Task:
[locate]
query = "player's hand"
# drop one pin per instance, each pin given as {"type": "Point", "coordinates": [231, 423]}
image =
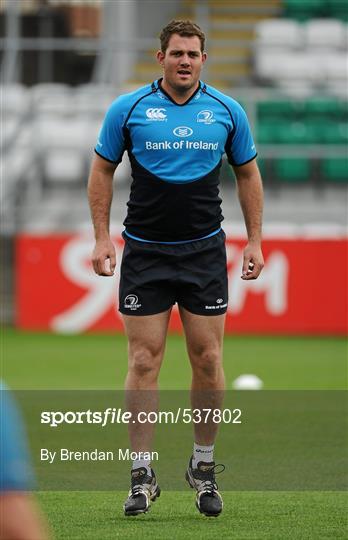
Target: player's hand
{"type": "Point", "coordinates": [104, 258]}
{"type": "Point", "coordinates": [252, 261]}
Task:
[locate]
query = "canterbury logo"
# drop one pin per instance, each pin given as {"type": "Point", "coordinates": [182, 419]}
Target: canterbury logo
{"type": "Point", "coordinates": [156, 114]}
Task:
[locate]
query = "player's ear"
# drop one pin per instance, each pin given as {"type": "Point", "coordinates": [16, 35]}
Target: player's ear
{"type": "Point", "coordinates": [160, 57]}
{"type": "Point", "coordinates": [204, 57]}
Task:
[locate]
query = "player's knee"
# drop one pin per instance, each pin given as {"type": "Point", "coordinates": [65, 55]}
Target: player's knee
{"type": "Point", "coordinates": [143, 362]}
{"type": "Point", "coordinates": [208, 364]}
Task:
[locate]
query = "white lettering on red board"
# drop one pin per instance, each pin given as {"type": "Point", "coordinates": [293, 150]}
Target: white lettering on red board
{"type": "Point", "coordinates": [272, 282]}
{"type": "Point", "coordinates": [101, 291]}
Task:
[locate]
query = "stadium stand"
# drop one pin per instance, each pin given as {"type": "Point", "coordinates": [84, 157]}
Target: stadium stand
{"type": "Point", "coordinates": [315, 52]}
{"type": "Point", "coordinates": [286, 61]}
{"type": "Point", "coordinates": [304, 58]}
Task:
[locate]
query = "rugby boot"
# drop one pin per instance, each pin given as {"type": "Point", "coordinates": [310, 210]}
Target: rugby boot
{"type": "Point", "coordinates": [202, 479]}
{"type": "Point", "coordinates": [144, 489]}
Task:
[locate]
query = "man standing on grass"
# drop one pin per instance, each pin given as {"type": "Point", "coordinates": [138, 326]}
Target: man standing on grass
{"type": "Point", "coordinates": [175, 131]}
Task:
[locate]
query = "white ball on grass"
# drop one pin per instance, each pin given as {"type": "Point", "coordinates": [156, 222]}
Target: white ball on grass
{"type": "Point", "coordinates": [247, 381]}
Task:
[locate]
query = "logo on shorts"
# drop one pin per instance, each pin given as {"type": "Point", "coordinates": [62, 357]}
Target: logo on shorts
{"type": "Point", "coordinates": [156, 115]}
{"type": "Point", "coordinates": [131, 302]}
{"type": "Point", "coordinates": [206, 117]}
{"type": "Point", "coordinates": [220, 304]}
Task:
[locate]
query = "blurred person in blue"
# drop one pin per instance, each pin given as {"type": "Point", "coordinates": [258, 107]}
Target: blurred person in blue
{"type": "Point", "coordinates": [176, 131]}
{"type": "Point", "coordinates": [20, 518]}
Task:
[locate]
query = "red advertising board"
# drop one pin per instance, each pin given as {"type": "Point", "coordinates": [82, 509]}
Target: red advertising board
{"type": "Point", "coordinates": [302, 289]}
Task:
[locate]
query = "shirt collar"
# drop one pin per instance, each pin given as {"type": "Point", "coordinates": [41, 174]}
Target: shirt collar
{"type": "Point", "coordinates": [157, 87]}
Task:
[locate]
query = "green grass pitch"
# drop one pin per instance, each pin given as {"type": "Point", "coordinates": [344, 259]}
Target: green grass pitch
{"type": "Point", "coordinates": [44, 361]}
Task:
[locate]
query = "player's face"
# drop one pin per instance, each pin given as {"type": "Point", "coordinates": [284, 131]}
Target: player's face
{"type": "Point", "coordinates": [182, 62]}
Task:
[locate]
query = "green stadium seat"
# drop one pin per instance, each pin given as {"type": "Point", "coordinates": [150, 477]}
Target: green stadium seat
{"type": "Point", "coordinates": [267, 132]}
{"type": "Point", "coordinates": [292, 170]}
{"type": "Point", "coordinates": [338, 9]}
{"type": "Point", "coordinates": [279, 108]}
{"type": "Point", "coordinates": [296, 133]}
{"type": "Point", "coordinates": [323, 107]}
{"type": "Point", "coordinates": [344, 109]}
{"type": "Point", "coordinates": [335, 169]}
{"type": "Point", "coordinates": [280, 132]}
{"type": "Point", "coordinates": [336, 133]}
{"type": "Point", "coordinates": [305, 9]}
{"type": "Point", "coordinates": [312, 131]}
{"type": "Point", "coordinates": [318, 130]}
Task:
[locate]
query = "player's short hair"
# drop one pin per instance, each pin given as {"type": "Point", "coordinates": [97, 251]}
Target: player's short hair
{"type": "Point", "coordinates": [184, 29]}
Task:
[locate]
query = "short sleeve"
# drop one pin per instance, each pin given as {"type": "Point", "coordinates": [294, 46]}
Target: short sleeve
{"type": "Point", "coordinates": [240, 147]}
{"type": "Point", "coordinates": [111, 144]}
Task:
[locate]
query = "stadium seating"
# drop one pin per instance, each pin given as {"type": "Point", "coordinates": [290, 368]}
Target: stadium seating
{"type": "Point", "coordinates": [65, 121]}
{"type": "Point", "coordinates": [14, 99]}
{"type": "Point", "coordinates": [94, 99]}
{"type": "Point", "coordinates": [59, 145]}
{"type": "Point", "coordinates": [282, 132]}
{"type": "Point", "coordinates": [316, 120]}
{"type": "Point", "coordinates": [267, 132]}
{"type": "Point", "coordinates": [303, 10]}
{"type": "Point", "coordinates": [279, 33]}
{"type": "Point", "coordinates": [336, 133]}
{"type": "Point", "coordinates": [335, 169]}
{"type": "Point", "coordinates": [285, 108]}
{"type": "Point", "coordinates": [325, 33]}
{"type": "Point", "coordinates": [324, 107]}
{"type": "Point", "coordinates": [338, 9]}
{"type": "Point", "coordinates": [314, 52]}
{"type": "Point", "coordinates": [295, 94]}
{"type": "Point", "coordinates": [318, 68]}
{"type": "Point", "coordinates": [297, 133]}
{"type": "Point", "coordinates": [293, 169]}
{"type": "Point", "coordinates": [337, 67]}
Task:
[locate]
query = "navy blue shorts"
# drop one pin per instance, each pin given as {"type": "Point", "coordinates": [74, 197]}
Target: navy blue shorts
{"type": "Point", "coordinates": [155, 276]}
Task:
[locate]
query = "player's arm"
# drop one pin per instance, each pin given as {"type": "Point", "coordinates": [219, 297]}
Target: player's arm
{"type": "Point", "coordinates": [21, 519]}
{"type": "Point", "coordinates": [100, 190]}
{"type": "Point", "coordinates": [250, 194]}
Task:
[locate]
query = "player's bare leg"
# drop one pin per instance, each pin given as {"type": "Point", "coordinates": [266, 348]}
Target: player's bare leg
{"type": "Point", "coordinates": [146, 344]}
{"type": "Point", "coordinates": [204, 340]}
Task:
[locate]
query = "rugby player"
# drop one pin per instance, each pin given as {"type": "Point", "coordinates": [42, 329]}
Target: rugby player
{"type": "Point", "coordinates": [175, 131]}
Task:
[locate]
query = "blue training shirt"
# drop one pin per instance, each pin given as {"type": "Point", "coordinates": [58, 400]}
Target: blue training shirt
{"type": "Point", "coordinates": [175, 151]}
